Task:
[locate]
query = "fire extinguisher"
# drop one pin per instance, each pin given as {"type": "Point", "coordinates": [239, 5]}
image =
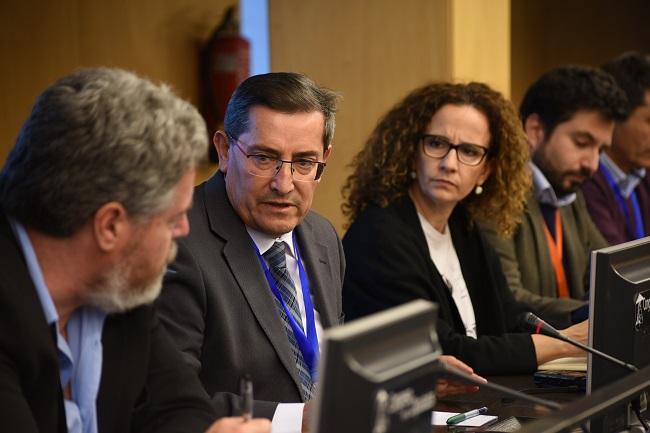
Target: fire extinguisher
{"type": "Point", "coordinates": [224, 65]}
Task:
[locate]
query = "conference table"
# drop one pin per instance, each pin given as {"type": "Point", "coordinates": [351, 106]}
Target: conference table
{"type": "Point", "coordinates": [504, 406]}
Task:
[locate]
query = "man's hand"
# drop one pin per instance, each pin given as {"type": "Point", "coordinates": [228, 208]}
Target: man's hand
{"type": "Point", "coordinates": [446, 387]}
{"type": "Point", "coordinates": [237, 425]}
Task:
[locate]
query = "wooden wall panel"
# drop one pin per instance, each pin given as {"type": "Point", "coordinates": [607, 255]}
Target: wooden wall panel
{"type": "Point", "coordinates": [481, 42]}
{"type": "Point", "coordinates": [41, 41]}
{"type": "Point", "coordinates": [549, 33]}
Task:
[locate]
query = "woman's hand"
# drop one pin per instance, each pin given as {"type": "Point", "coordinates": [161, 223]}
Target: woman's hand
{"type": "Point", "coordinates": [237, 425]}
{"type": "Point", "coordinates": [446, 387]}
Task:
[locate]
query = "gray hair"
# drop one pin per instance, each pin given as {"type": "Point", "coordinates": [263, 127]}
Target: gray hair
{"type": "Point", "coordinates": [96, 136]}
{"type": "Point", "coordinates": [286, 92]}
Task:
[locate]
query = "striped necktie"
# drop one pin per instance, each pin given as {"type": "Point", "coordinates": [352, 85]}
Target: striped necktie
{"type": "Point", "coordinates": [275, 257]}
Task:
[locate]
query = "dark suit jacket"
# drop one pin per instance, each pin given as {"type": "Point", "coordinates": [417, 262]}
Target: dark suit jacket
{"type": "Point", "coordinates": [145, 386]}
{"type": "Point", "coordinates": [389, 264]}
{"type": "Point", "coordinates": [218, 307]}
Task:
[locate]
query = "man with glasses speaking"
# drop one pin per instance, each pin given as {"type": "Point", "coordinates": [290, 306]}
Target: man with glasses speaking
{"type": "Point", "coordinates": [260, 275]}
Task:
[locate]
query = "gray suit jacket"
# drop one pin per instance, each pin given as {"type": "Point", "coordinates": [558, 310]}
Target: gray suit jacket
{"type": "Point", "coordinates": [217, 305]}
{"type": "Point", "coordinates": [527, 263]}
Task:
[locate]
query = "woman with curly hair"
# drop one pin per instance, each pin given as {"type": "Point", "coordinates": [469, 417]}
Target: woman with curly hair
{"type": "Point", "coordinates": [438, 161]}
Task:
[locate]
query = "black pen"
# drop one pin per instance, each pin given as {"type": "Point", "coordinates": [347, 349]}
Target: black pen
{"type": "Point", "coordinates": [246, 396]}
{"type": "Point", "coordinates": [467, 415]}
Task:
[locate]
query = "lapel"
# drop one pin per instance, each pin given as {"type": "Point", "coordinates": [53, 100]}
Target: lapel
{"type": "Point", "coordinates": [317, 263]}
{"type": "Point", "coordinates": [439, 291]}
{"type": "Point", "coordinates": [240, 257]}
{"type": "Point", "coordinates": [577, 258]}
{"type": "Point", "coordinates": [478, 277]}
{"type": "Point", "coordinates": [542, 258]}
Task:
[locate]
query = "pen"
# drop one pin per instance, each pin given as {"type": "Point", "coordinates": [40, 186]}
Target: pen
{"type": "Point", "coordinates": [467, 415]}
{"type": "Point", "coordinates": [246, 395]}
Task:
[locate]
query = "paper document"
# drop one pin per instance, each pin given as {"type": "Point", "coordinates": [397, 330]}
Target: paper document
{"type": "Point", "coordinates": [572, 364]}
{"type": "Point", "coordinates": [440, 418]}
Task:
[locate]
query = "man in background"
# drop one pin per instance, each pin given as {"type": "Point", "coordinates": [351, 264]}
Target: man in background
{"type": "Point", "coordinates": [618, 196]}
{"type": "Point", "coordinates": [568, 115]}
{"type": "Point", "coordinates": [92, 198]}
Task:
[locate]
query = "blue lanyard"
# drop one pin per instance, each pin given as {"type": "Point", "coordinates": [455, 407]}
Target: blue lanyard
{"type": "Point", "coordinates": [639, 232]}
{"type": "Point", "coordinates": [308, 344]}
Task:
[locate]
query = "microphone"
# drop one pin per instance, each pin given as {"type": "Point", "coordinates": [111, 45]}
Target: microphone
{"type": "Point", "coordinates": [541, 327]}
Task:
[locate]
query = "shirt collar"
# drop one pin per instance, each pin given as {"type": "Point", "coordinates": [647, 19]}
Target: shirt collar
{"type": "Point", "coordinates": [264, 241]}
{"type": "Point", "coordinates": [626, 182]}
{"type": "Point", "coordinates": [35, 272]}
{"type": "Point", "coordinates": [544, 192]}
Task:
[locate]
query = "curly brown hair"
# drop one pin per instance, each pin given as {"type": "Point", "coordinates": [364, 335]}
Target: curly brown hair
{"type": "Point", "coordinates": [381, 169]}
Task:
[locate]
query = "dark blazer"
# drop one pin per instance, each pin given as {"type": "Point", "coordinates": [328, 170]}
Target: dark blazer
{"type": "Point", "coordinates": [218, 307]}
{"type": "Point", "coordinates": [606, 211]}
{"type": "Point", "coordinates": [145, 386]}
{"type": "Point", "coordinates": [389, 264]}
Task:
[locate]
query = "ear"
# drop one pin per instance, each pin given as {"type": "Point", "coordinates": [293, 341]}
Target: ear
{"type": "Point", "coordinates": [534, 130]}
{"type": "Point", "coordinates": [111, 226]}
{"type": "Point", "coordinates": [485, 173]}
{"type": "Point", "coordinates": [221, 143]}
{"type": "Point", "coordinates": [327, 153]}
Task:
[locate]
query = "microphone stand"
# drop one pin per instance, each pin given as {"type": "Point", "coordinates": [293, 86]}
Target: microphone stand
{"type": "Point", "coordinates": [450, 371]}
{"type": "Point", "coordinates": [596, 352]}
{"type": "Point", "coordinates": [541, 327]}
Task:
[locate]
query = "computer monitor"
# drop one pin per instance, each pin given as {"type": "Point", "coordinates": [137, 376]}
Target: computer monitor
{"type": "Point", "coordinates": [376, 374]}
{"type": "Point", "coordinates": [619, 322]}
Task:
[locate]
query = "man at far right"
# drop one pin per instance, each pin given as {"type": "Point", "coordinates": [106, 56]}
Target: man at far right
{"type": "Point", "coordinates": [618, 196]}
{"type": "Point", "coordinates": [568, 116]}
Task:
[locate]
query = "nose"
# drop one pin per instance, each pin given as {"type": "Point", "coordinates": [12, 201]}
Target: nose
{"type": "Point", "coordinates": [182, 228]}
{"type": "Point", "coordinates": [450, 161]}
{"type": "Point", "coordinates": [590, 161]}
{"type": "Point", "coordinates": [283, 180]}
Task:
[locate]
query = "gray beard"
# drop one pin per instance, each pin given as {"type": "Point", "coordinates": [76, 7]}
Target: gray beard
{"type": "Point", "coordinates": [116, 296]}
{"type": "Point", "coordinates": [112, 293]}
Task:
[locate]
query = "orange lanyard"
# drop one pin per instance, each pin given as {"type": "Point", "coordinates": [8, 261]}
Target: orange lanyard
{"type": "Point", "coordinates": [555, 250]}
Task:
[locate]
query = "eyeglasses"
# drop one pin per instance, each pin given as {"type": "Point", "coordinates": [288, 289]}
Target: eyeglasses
{"type": "Point", "coordinates": [436, 146]}
{"type": "Point", "coordinates": [262, 165]}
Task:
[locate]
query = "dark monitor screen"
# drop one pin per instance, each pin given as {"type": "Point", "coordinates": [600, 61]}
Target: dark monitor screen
{"type": "Point", "coordinates": [619, 319]}
{"type": "Point", "coordinates": [376, 374]}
